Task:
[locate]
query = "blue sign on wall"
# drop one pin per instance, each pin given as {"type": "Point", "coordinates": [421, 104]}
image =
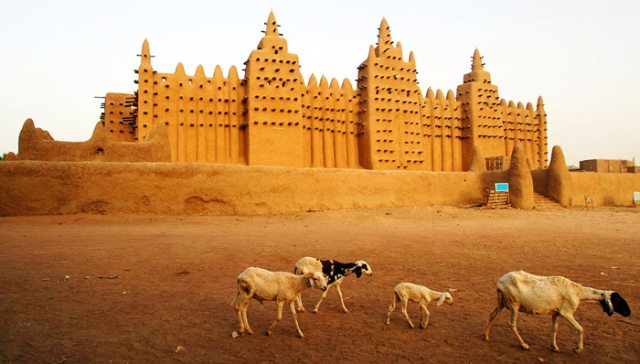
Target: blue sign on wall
{"type": "Point", "coordinates": [502, 187]}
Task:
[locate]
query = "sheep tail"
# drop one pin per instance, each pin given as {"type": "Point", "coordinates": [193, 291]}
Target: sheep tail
{"type": "Point", "coordinates": [501, 299]}
{"type": "Point", "coordinates": [243, 286]}
{"type": "Point", "coordinates": [396, 298]}
{"type": "Point", "coordinates": [234, 298]}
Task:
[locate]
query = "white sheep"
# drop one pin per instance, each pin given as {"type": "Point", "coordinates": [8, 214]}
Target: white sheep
{"type": "Point", "coordinates": [264, 285]}
{"type": "Point", "coordinates": [556, 296]}
{"type": "Point", "coordinates": [405, 292]}
{"type": "Point", "coordinates": [333, 271]}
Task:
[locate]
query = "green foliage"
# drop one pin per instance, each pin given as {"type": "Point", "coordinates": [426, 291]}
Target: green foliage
{"type": "Point", "coordinates": [4, 156]}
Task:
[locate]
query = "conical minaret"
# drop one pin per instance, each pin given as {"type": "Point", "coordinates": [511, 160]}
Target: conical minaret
{"type": "Point", "coordinates": [384, 37]}
{"type": "Point", "coordinates": [477, 74]}
{"type": "Point", "coordinates": [272, 26]}
{"type": "Point", "coordinates": [477, 61]}
{"type": "Point", "coordinates": [272, 39]}
{"type": "Point", "coordinates": [273, 85]}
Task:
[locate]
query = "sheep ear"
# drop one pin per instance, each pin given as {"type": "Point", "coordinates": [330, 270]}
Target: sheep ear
{"type": "Point", "coordinates": [358, 271]}
{"type": "Point", "coordinates": [441, 299]}
{"type": "Point", "coordinates": [311, 283]}
{"type": "Point", "coordinates": [620, 305]}
{"type": "Point", "coordinates": [607, 307]}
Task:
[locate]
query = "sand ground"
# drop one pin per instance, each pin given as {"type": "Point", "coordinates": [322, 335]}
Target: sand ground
{"type": "Point", "coordinates": [157, 289]}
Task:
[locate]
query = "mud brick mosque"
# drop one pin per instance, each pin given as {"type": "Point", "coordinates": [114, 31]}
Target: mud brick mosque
{"type": "Point", "coordinates": [270, 143]}
{"type": "Point", "coordinates": [271, 117]}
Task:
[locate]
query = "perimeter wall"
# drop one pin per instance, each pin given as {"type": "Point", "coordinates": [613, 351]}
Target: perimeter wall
{"type": "Point", "coordinates": [49, 188]}
{"type": "Point", "coordinates": [605, 189]}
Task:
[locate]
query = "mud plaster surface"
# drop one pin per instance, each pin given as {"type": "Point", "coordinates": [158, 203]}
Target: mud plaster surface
{"type": "Point", "coordinates": [176, 277]}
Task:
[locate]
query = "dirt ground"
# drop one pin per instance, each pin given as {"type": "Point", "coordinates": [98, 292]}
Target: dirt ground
{"type": "Point", "coordinates": [157, 289]}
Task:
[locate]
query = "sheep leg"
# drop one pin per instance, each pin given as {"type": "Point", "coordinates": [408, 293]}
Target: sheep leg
{"type": "Point", "coordinates": [392, 307]}
{"type": "Point", "coordinates": [554, 332]}
{"type": "Point", "coordinates": [241, 308]}
{"type": "Point", "coordinates": [295, 319]}
{"type": "Point", "coordinates": [324, 294]}
{"type": "Point", "coordinates": [280, 305]}
{"type": "Point", "coordinates": [425, 312]}
{"type": "Point", "coordinates": [246, 322]}
{"type": "Point", "coordinates": [514, 327]}
{"type": "Point", "coordinates": [241, 321]}
{"type": "Point", "coordinates": [340, 294]}
{"type": "Point", "coordinates": [299, 302]}
{"type": "Point", "coordinates": [492, 317]}
{"type": "Point", "coordinates": [299, 295]}
{"type": "Point", "coordinates": [575, 324]}
{"type": "Point", "coordinates": [405, 301]}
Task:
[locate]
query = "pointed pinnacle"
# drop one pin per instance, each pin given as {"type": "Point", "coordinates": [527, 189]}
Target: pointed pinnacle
{"type": "Point", "coordinates": [272, 26]}
{"type": "Point", "coordinates": [477, 61]}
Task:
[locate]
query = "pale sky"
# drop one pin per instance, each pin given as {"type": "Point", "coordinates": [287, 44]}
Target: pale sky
{"type": "Point", "coordinates": [582, 57]}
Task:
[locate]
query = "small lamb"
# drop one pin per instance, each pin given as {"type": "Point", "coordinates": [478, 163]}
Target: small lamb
{"type": "Point", "coordinates": [334, 272]}
{"type": "Point", "coordinates": [406, 292]}
{"type": "Point", "coordinates": [556, 296]}
{"type": "Point", "coordinates": [264, 285]}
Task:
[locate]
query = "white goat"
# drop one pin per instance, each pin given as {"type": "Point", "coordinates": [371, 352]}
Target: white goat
{"type": "Point", "coordinates": [333, 271]}
{"type": "Point", "coordinates": [264, 285]}
{"type": "Point", "coordinates": [405, 292]}
{"type": "Point", "coordinates": [556, 296]}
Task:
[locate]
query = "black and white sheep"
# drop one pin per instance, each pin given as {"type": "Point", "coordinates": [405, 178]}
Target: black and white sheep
{"type": "Point", "coordinates": [556, 296]}
{"type": "Point", "coordinates": [333, 271]}
{"type": "Point", "coordinates": [264, 285]}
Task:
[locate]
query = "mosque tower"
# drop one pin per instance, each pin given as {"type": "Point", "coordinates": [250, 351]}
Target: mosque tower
{"type": "Point", "coordinates": [543, 154]}
{"type": "Point", "coordinates": [481, 115]}
{"type": "Point", "coordinates": [391, 135]}
{"type": "Point", "coordinates": [274, 87]}
{"type": "Point", "coordinates": [145, 94]}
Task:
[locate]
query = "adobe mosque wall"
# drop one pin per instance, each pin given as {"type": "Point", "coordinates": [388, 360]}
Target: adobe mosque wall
{"type": "Point", "coordinates": [271, 117]}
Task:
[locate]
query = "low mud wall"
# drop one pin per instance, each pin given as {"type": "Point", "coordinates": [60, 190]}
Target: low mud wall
{"type": "Point", "coordinates": [605, 189]}
{"type": "Point", "coordinates": [45, 188]}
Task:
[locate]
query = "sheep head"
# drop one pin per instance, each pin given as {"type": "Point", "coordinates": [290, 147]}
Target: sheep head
{"type": "Point", "coordinates": [316, 278]}
{"type": "Point", "coordinates": [612, 302]}
{"type": "Point", "coordinates": [445, 297]}
{"type": "Point", "coordinates": [362, 267]}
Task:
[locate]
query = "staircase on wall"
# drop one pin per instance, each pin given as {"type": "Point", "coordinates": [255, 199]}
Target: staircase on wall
{"type": "Point", "coordinates": [541, 202]}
